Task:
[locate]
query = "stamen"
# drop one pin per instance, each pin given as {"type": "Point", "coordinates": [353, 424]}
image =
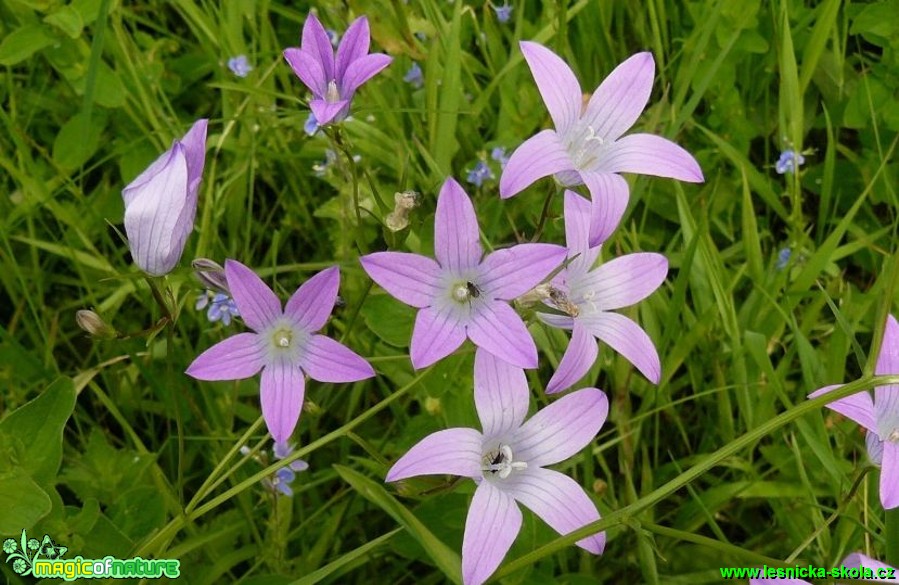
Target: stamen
{"type": "Point", "coordinates": [332, 94]}
{"type": "Point", "coordinates": [894, 436]}
{"type": "Point", "coordinates": [460, 292]}
{"type": "Point", "coordinates": [501, 462]}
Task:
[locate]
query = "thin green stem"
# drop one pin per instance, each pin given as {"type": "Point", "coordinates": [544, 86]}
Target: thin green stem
{"type": "Point", "coordinates": [891, 536]}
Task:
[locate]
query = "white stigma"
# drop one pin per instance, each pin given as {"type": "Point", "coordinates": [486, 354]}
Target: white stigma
{"type": "Point", "coordinates": [282, 338]}
{"type": "Point", "coordinates": [332, 94]}
{"type": "Point", "coordinates": [460, 292]}
{"type": "Point", "coordinates": [501, 462]}
{"type": "Point", "coordinates": [582, 152]}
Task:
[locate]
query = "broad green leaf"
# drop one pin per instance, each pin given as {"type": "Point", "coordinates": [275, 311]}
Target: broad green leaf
{"type": "Point", "coordinates": [68, 20]}
{"type": "Point", "coordinates": [78, 140]}
{"type": "Point", "coordinates": [24, 42]}
{"type": "Point", "coordinates": [24, 502]}
{"type": "Point", "coordinates": [444, 557]}
{"type": "Point", "coordinates": [36, 429]}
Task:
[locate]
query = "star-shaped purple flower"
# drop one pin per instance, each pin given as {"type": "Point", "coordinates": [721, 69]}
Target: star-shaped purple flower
{"type": "Point", "coordinates": [880, 417]}
{"type": "Point", "coordinates": [508, 459]}
{"type": "Point", "coordinates": [587, 146]}
{"type": "Point", "coordinates": [463, 293]}
{"type": "Point", "coordinates": [333, 81]}
{"type": "Point", "coordinates": [285, 345]}
{"type": "Point", "coordinates": [587, 296]}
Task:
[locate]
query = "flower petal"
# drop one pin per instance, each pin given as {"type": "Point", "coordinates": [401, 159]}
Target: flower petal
{"type": "Point", "coordinates": [511, 272]}
{"type": "Point", "coordinates": [411, 278]}
{"type": "Point", "coordinates": [621, 282]}
{"type": "Point", "coordinates": [194, 143]}
{"type": "Point", "coordinates": [500, 394]}
{"type": "Point", "coordinates": [621, 97]}
{"type": "Point", "coordinates": [889, 475]}
{"type": "Point", "coordinates": [353, 45]}
{"type": "Point", "coordinates": [238, 357]}
{"type": "Point", "coordinates": [436, 334]}
{"type": "Point", "coordinates": [450, 451]}
{"type": "Point", "coordinates": [628, 339]}
{"type": "Point", "coordinates": [558, 86]}
{"type": "Point", "coordinates": [326, 112]}
{"type": "Point", "coordinates": [648, 154]}
{"type": "Point", "coordinates": [578, 358]}
{"type": "Point", "coordinates": [539, 156]}
{"type": "Point", "coordinates": [577, 223]}
{"type": "Point", "coordinates": [557, 321]}
{"type": "Point", "coordinates": [558, 500]}
{"type": "Point", "coordinates": [315, 41]}
{"type": "Point", "coordinates": [281, 394]}
{"type": "Point", "coordinates": [361, 70]}
{"type": "Point", "coordinates": [156, 208]}
{"type": "Point", "coordinates": [326, 360]}
{"type": "Point", "coordinates": [498, 329]}
{"type": "Point", "coordinates": [308, 69]}
{"type": "Point", "coordinates": [256, 302]}
{"type": "Point", "coordinates": [561, 429]}
{"type": "Point", "coordinates": [860, 560]}
{"type": "Point", "coordinates": [492, 524]}
{"type": "Point", "coordinates": [886, 398]}
{"type": "Point", "coordinates": [859, 407]}
{"type": "Point", "coordinates": [610, 195]}
{"type": "Point", "coordinates": [312, 303]}
{"type": "Point", "coordinates": [457, 243]}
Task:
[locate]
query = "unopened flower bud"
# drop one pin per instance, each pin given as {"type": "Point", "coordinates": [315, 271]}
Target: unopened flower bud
{"type": "Point", "coordinates": [538, 294]}
{"type": "Point", "coordinates": [404, 202]}
{"type": "Point", "coordinates": [94, 325]}
{"type": "Point", "coordinates": [211, 274]}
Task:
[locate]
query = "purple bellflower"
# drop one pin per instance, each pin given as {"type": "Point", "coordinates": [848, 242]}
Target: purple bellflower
{"type": "Point", "coordinates": [855, 566]}
{"type": "Point", "coordinates": [463, 293]}
{"type": "Point", "coordinates": [284, 345]}
{"type": "Point", "coordinates": [587, 146]}
{"type": "Point", "coordinates": [507, 461]}
{"type": "Point", "coordinates": [333, 80]}
{"type": "Point", "coordinates": [161, 203]}
{"type": "Point", "coordinates": [879, 416]}
{"type": "Point", "coordinates": [587, 296]}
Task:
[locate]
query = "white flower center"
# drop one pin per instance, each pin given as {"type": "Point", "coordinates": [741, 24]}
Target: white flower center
{"type": "Point", "coordinates": [282, 337]}
{"type": "Point", "coordinates": [500, 463]}
{"type": "Point", "coordinates": [584, 146]}
{"type": "Point", "coordinates": [332, 94]}
{"type": "Point", "coordinates": [464, 291]}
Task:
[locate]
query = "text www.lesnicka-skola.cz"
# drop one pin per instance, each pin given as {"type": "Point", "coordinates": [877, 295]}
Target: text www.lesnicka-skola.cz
{"type": "Point", "coordinates": [807, 572]}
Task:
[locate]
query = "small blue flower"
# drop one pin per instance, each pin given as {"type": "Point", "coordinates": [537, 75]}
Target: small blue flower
{"type": "Point", "coordinates": [221, 307]}
{"type": "Point", "coordinates": [285, 476]}
{"type": "Point", "coordinates": [480, 173]}
{"type": "Point", "coordinates": [239, 65]}
{"type": "Point", "coordinates": [311, 125]}
{"type": "Point", "coordinates": [499, 155]}
{"type": "Point", "coordinates": [414, 76]}
{"type": "Point", "coordinates": [789, 161]}
{"type": "Point", "coordinates": [503, 13]}
{"type": "Point", "coordinates": [783, 258]}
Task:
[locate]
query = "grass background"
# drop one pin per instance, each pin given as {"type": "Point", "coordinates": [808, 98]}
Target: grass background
{"type": "Point", "coordinates": [120, 453]}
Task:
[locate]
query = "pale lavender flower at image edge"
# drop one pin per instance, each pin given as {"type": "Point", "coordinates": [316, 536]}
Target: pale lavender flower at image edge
{"type": "Point", "coordinates": [507, 460]}
{"type": "Point", "coordinates": [161, 203]}
{"type": "Point", "coordinates": [587, 146]}
{"type": "Point", "coordinates": [462, 293]}
{"type": "Point", "coordinates": [284, 345]}
{"type": "Point", "coordinates": [853, 561]}
{"type": "Point", "coordinates": [588, 295]}
{"type": "Point", "coordinates": [334, 80]}
{"type": "Point", "coordinates": [880, 416]}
